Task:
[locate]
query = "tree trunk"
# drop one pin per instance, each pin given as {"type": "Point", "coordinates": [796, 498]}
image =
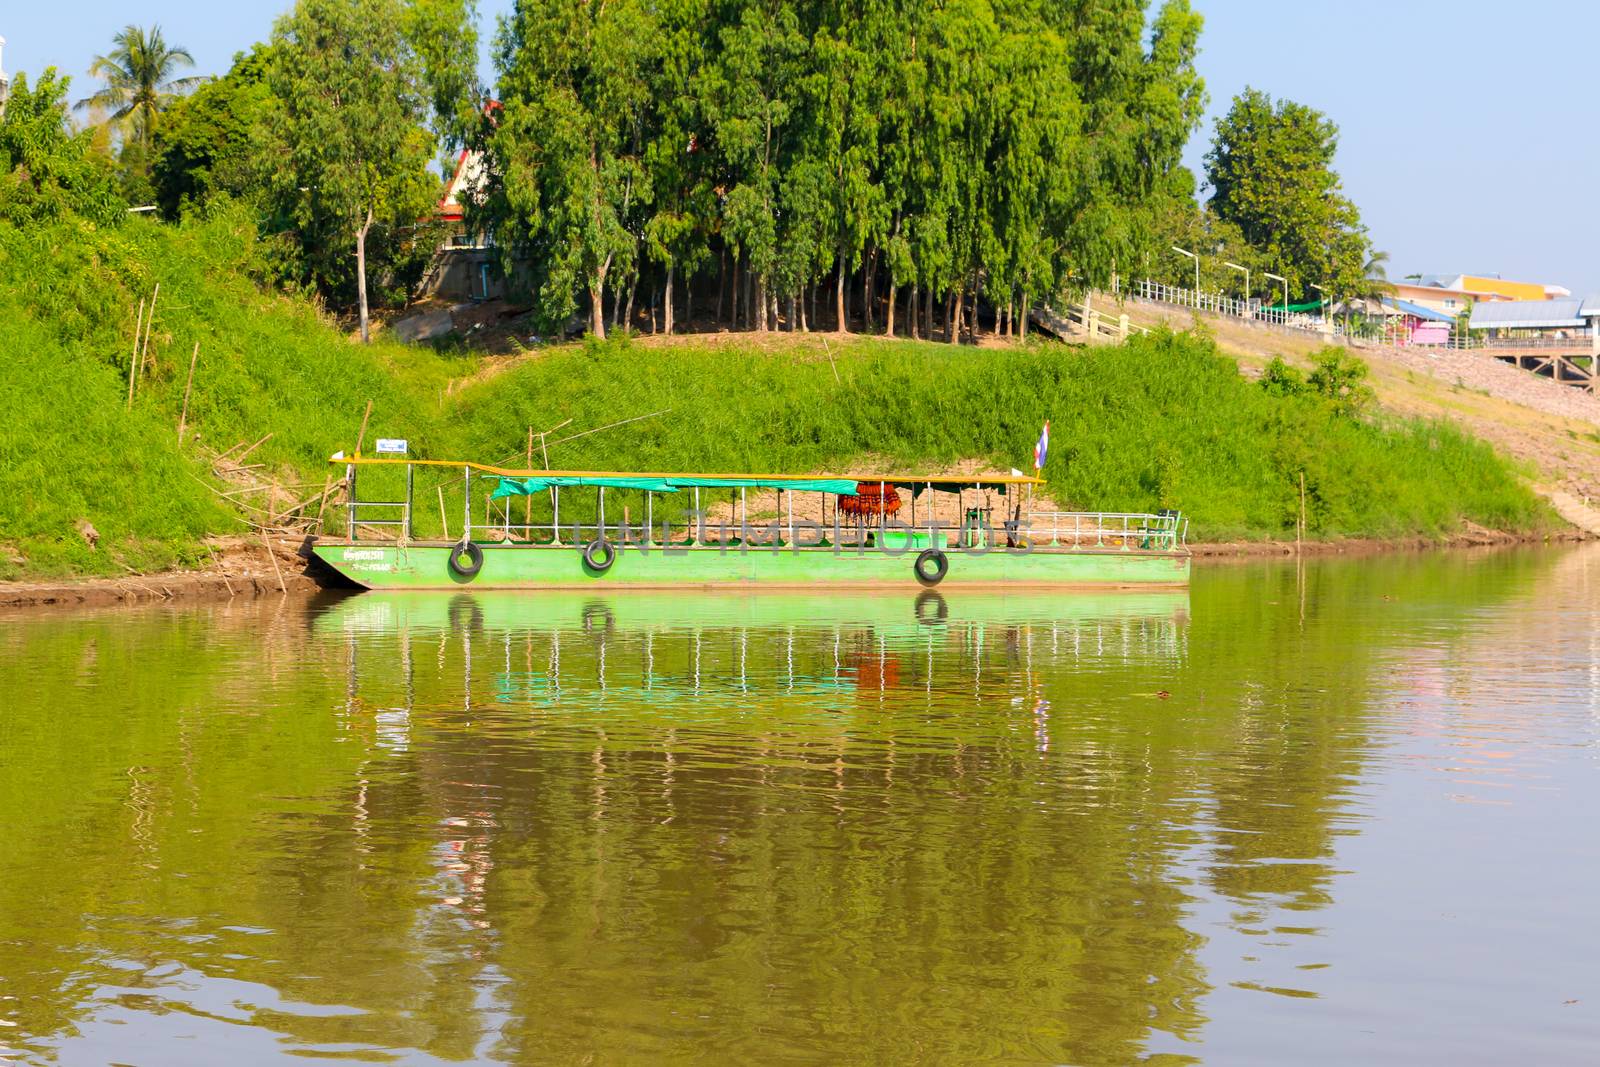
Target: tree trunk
{"type": "Point", "coordinates": [839, 298]}
{"type": "Point", "coordinates": [633, 290]}
{"type": "Point", "coordinates": [1022, 306]}
{"type": "Point", "coordinates": [866, 290]}
{"type": "Point", "coordinates": [666, 317]}
{"type": "Point", "coordinates": [736, 302]}
{"type": "Point", "coordinates": [722, 283]}
{"type": "Point", "coordinates": [953, 316]}
{"type": "Point", "coordinates": [361, 275]}
{"type": "Point", "coordinates": [888, 326]}
{"type": "Point", "coordinates": [597, 309]}
{"type": "Point", "coordinates": [911, 312]}
{"type": "Point", "coordinates": [927, 314]}
{"type": "Point", "coordinates": [977, 295]}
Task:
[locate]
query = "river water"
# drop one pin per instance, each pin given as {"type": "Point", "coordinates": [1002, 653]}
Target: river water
{"type": "Point", "coordinates": [1329, 814]}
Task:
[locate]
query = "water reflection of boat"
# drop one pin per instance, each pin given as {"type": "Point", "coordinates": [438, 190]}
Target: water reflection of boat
{"type": "Point", "coordinates": [675, 649]}
{"type": "Point", "coordinates": [887, 611]}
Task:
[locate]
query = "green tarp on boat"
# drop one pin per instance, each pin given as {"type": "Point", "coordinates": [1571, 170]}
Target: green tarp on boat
{"type": "Point", "coordinates": [529, 486]}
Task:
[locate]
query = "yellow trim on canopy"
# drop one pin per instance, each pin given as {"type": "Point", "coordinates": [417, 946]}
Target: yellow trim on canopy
{"type": "Point", "coordinates": [888, 479]}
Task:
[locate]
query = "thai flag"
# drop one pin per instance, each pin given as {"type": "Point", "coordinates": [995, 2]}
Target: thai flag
{"type": "Point", "coordinates": [1042, 449]}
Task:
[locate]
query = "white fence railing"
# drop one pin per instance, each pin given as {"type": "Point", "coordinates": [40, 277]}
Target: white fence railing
{"type": "Point", "coordinates": [1220, 304]}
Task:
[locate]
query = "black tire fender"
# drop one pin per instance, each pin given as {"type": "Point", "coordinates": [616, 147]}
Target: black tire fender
{"type": "Point", "coordinates": [471, 564]}
{"type": "Point", "coordinates": [599, 555]}
{"type": "Point", "coordinates": [931, 566]}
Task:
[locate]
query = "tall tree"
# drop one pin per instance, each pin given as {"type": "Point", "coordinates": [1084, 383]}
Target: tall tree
{"type": "Point", "coordinates": [219, 140]}
{"type": "Point", "coordinates": [139, 83]}
{"type": "Point", "coordinates": [565, 156]}
{"type": "Point", "coordinates": [1271, 172]}
{"type": "Point", "coordinates": [356, 142]}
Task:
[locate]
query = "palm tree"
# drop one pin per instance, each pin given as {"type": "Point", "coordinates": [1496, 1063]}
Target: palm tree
{"type": "Point", "coordinates": [139, 82]}
{"type": "Point", "coordinates": [1374, 284]}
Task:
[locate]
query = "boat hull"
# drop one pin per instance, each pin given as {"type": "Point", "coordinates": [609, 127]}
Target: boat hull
{"type": "Point", "coordinates": [427, 566]}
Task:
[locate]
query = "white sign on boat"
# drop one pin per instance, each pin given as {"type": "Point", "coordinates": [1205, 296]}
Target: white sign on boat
{"type": "Point", "coordinates": [391, 446]}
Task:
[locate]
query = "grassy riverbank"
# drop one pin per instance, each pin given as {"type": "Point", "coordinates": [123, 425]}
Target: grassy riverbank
{"type": "Point", "coordinates": [1163, 422]}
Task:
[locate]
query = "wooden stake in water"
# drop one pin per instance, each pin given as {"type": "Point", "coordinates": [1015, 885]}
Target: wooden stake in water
{"type": "Point", "coordinates": [1300, 527]}
{"type": "Point", "coordinates": [183, 416]}
{"type": "Point", "coordinates": [133, 357]}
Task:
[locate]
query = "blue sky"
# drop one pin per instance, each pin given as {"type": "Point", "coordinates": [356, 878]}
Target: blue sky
{"type": "Point", "coordinates": [1462, 138]}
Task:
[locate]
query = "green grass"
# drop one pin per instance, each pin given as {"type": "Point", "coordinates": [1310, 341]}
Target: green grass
{"type": "Point", "coordinates": [71, 450]}
{"type": "Point", "coordinates": [1162, 422]}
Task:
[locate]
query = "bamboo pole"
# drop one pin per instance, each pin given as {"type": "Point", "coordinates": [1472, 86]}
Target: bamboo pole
{"type": "Point", "coordinates": [236, 459]}
{"type": "Point", "coordinates": [362, 435]}
{"type": "Point", "coordinates": [274, 558]}
{"type": "Point", "coordinates": [183, 417]}
{"type": "Point", "coordinates": [327, 486]}
{"type": "Point", "coordinates": [133, 358]}
{"type": "Point", "coordinates": [444, 520]}
{"type": "Point", "coordinates": [527, 500]}
{"type": "Point", "coordinates": [149, 324]}
{"type": "Point", "coordinates": [1300, 527]}
{"type": "Point", "coordinates": [612, 425]}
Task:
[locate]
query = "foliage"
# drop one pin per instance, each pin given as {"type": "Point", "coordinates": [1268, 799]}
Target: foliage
{"type": "Point", "coordinates": [139, 83]}
{"type": "Point", "coordinates": [1342, 379]}
{"type": "Point", "coordinates": [964, 150]}
{"type": "Point", "coordinates": [46, 170]}
{"type": "Point", "coordinates": [72, 449]}
{"type": "Point", "coordinates": [1271, 171]}
{"type": "Point", "coordinates": [355, 148]}
{"type": "Point", "coordinates": [1280, 379]}
{"type": "Point", "coordinates": [218, 141]}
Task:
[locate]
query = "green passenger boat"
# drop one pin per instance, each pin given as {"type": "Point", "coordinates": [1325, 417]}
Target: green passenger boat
{"type": "Point", "coordinates": [543, 529]}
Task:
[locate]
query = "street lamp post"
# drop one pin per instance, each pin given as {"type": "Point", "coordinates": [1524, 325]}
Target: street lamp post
{"type": "Point", "coordinates": [1325, 299]}
{"type": "Point", "coordinates": [1246, 271]}
{"type": "Point", "coordinates": [1191, 255]}
{"type": "Point", "coordinates": [1285, 281]}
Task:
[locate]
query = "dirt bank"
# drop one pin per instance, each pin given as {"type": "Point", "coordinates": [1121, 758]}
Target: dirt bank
{"type": "Point", "coordinates": [242, 568]}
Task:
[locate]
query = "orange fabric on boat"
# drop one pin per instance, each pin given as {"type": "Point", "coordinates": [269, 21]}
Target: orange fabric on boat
{"type": "Point", "coordinates": [872, 498]}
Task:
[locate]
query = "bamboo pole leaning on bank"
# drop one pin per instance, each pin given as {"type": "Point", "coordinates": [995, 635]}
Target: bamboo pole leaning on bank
{"type": "Point", "coordinates": [183, 416]}
{"type": "Point", "coordinates": [267, 544]}
{"type": "Point", "coordinates": [361, 437]}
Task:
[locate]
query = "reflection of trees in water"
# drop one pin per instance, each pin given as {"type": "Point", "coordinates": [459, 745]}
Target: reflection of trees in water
{"type": "Point", "coordinates": [761, 840]}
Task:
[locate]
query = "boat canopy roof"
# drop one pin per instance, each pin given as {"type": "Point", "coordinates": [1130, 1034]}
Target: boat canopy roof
{"type": "Point", "coordinates": [515, 482]}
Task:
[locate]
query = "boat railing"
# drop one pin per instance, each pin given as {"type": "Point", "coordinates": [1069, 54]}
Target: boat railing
{"type": "Point", "coordinates": [1161, 531]}
{"type": "Point", "coordinates": [400, 518]}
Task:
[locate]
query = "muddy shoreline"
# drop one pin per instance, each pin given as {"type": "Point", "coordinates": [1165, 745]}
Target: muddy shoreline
{"type": "Point", "coordinates": [245, 569]}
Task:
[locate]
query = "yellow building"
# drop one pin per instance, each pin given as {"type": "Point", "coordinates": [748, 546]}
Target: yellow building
{"type": "Point", "coordinates": [1509, 290]}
